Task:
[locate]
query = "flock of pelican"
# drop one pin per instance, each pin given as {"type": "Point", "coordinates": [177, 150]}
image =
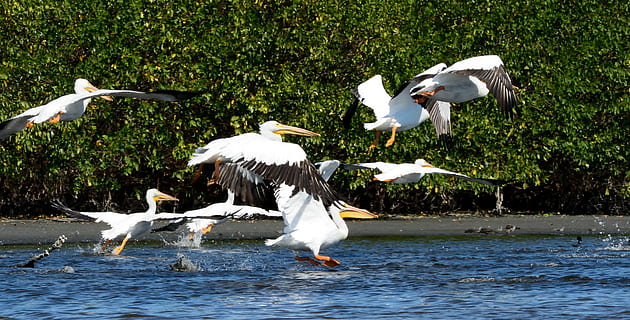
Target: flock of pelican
{"type": "Point", "coordinates": [256, 166]}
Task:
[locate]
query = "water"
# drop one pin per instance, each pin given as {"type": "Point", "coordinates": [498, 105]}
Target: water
{"type": "Point", "coordinates": [473, 277]}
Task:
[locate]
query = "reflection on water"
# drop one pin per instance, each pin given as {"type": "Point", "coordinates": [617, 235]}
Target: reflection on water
{"type": "Point", "coordinates": [482, 277]}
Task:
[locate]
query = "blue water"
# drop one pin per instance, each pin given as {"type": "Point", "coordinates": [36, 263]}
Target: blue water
{"type": "Point", "coordinates": [473, 277]}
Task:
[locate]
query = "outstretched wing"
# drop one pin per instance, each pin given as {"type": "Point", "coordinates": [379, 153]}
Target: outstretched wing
{"type": "Point", "coordinates": [440, 114]}
{"type": "Point", "coordinates": [372, 94]}
{"type": "Point", "coordinates": [490, 70]}
{"type": "Point", "coordinates": [383, 166]}
{"type": "Point", "coordinates": [489, 182]}
{"type": "Point", "coordinates": [17, 123]}
{"type": "Point", "coordinates": [111, 218]}
{"type": "Point", "coordinates": [245, 163]}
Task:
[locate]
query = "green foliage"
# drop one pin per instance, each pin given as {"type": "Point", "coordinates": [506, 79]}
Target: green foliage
{"type": "Point", "coordinates": [296, 62]}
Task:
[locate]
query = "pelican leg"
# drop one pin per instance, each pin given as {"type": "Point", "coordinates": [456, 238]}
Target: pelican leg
{"type": "Point", "coordinates": [56, 118]}
{"type": "Point", "coordinates": [29, 124]}
{"type": "Point", "coordinates": [191, 235]}
{"type": "Point", "coordinates": [105, 244]}
{"type": "Point", "coordinates": [197, 173]}
{"type": "Point", "coordinates": [424, 94]}
{"type": "Point", "coordinates": [375, 142]}
{"type": "Point", "coordinates": [393, 137]}
{"type": "Point", "coordinates": [328, 261]}
{"type": "Point", "coordinates": [310, 260]}
{"type": "Point", "coordinates": [207, 229]}
{"type": "Point", "coordinates": [118, 249]}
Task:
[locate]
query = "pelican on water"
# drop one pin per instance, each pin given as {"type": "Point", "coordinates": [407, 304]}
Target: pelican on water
{"type": "Point", "coordinates": [309, 224]}
{"type": "Point", "coordinates": [402, 173]}
{"type": "Point", "coordinates": [129, 225]}
{"type": "Point", "coordinates": [466, 80]}
{"type": "Point", "coordinates": [400, 112]}
{"type": "Point", "coordinates": [252, 164]}
{"type": "Point", "coordinates": [72, 106]}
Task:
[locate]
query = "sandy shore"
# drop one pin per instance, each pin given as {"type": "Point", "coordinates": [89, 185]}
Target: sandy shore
{"type": "Point", "coordinates": [46, 231]}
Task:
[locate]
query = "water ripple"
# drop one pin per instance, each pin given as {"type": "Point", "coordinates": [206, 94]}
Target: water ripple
{"type": "Point", "coordinates": [380, 278]}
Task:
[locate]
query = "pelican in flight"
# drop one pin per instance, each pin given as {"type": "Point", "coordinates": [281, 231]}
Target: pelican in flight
{"type": "Point", "coordinates": [310, 225]}
{"type": "Point", "coordinates": [72, 106]}
{"type": "Point", "coordinates": [252, 164]}
{"type": "Point", "coordinates": [400, 112]}
{"type": "Point", "coordinates": [466, 80]}
{"type": "Point", "coordinates": [204, 219]}
{"type": "Point", "coordinates": [412, 172]}
{"type": "Point", "coordinates": [129, 225]}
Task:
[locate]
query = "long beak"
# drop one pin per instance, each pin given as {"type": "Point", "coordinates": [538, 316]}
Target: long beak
{"type": "Point", "coordinates": [356, 213]}
{"type": "Point", "coordinates": [423, 163]}
{"type": "Point", "coordinates": [164, 197]}
{"type": "Point", "coordinates": [93, 88]}
{"type": "Point", "coordinates": [284, 129]}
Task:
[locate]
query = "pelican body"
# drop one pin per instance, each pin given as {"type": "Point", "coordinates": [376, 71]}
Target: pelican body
{"type": "Point", "coordinates": [403, 173]}
{"type": "Point", "coordinates": [466, 80]}
{"type": "Point", "coordinates": [72, 106]}
{"type": "Point", "coordinates": [400, 112]}
{"type": "Point", "coordinates": [310, 225]}
{"type": "Point", "coordinates": [129, 225]}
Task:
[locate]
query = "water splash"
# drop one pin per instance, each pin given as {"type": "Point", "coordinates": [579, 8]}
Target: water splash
{"type": "Point", "coordinates": [185, 241]}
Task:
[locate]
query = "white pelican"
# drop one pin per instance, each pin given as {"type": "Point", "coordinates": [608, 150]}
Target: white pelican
{"type": "Point", "coordinates": [466, 80]}
{"type": "Point", "coordinates": [401, 112]}
{"type": "Point", "coordinates": [72, 106]}
{"type": "Point", "coordinates": [252, 164]}
{"type": "Point", "coordinates": [309, 224]}
{"type": "Point", "coordinates": [129, 225]}
{"type": "Point", "coordinates": [412, 172]}
{"type": "Point", "coordinates": [204, 219]}
{"type": "Point", "coordinates": [312, 226]}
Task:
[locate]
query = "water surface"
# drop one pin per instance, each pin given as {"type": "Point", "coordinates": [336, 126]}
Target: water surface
{"type": "Point", "coordinates": [473, 277]}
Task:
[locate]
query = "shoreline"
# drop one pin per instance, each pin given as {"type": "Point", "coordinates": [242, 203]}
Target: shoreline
{"type": "Point", "coordinates": [45, 231]}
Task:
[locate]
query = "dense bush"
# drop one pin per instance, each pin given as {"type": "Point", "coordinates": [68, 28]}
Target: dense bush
{"type": "Point", "coordinates": [296, 62]}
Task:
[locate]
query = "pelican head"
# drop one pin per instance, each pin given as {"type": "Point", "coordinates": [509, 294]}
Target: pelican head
{"type": "Point", "coordinates": [348, 211]}
{"type": "Point", "coordinates": [157, 195]}
{"type": "Point", "coordinates": [423, 163]}
{"type": "Point", "coordinates": [273, 129]}
{"type": "Point", "coordinates": [81, 86]}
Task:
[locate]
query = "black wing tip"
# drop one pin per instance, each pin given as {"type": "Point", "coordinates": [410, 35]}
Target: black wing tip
{"type": "Point", "coordinates": [180, 95]}
{"type": "Point", "coordinates": [170, 227]}
{"type": "Point", "coordinates": [497, 182]}
{"type": "Point", "coordinates": [446, 140]}
{"type": "Point", "coordinates": [57, 204]}
{"type": "Point", "coordinates": [347, 117]}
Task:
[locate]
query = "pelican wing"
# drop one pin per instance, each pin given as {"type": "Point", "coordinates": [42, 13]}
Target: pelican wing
{"type": "Point", "coordinates": [300, 210]}
{"type": "Point", "coordinates": [249, 186]}
{"type": "Point", "coordinates": [52, 108]}
{"type": "Point", "coordinates": [327, 168]}
{"type": "Point", "coordinates": [251, 212]}
{"type": "Point", "coordinates": [372, 94]}
{"type": "Point", "coordinates": [111, 218]}
{"type": "Point", "coordinates": [440, 114]}
{"type": "Point", "coordinates": [489, 69]}
{"type": "Point", "coordinates": [17, 123]}
{"type": "Point", "coordinates": [427, 74]}
{"type": "Point", "coordinates": [433, 170]}
{"type": "Point", "coordinates": [246, 161]}
{"type": "Point", "coordinates": [163, 95]}
{"type": "Point", "coordinates": [402, 100]}
{"type": "Point", "coordinates": [383, 166]}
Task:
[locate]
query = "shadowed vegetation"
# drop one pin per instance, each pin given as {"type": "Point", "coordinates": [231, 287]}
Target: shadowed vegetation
{"type": "Point", "coordinates": [296, 62]}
